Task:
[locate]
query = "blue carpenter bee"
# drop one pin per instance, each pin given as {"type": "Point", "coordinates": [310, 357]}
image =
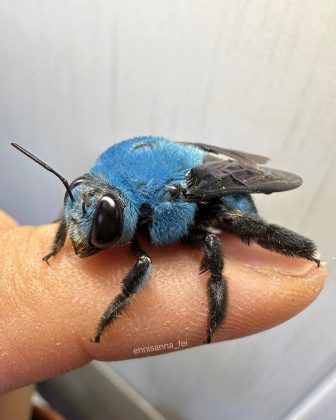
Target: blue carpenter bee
{"type": "Point", "coordinates": [172, 191]}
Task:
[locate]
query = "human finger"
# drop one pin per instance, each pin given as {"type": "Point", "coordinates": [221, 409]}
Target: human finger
{"type": "Point", "coordinates": [50, 312]}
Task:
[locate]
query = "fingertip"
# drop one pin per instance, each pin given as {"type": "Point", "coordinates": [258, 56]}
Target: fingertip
{"type": "Point", "coordinates": [263, 297]}
{"type": "Point", "coordinates": [265, 289]}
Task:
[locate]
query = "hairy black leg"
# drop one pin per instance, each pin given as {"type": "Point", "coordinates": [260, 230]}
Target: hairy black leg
{"type": "Point", "coordinates": [58, 241]}
{"type": "Point", "coordinates": [251, 228]}
{"type": "Point", "coordinates": [131, 284]}
{"type": "Point", "coordinates": [217, 285]}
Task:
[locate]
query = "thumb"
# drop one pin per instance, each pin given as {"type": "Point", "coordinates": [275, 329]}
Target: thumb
{"type": "Point", "coordinates": [49, 313]}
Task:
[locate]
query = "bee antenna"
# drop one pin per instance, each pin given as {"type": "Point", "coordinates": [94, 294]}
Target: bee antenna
{"type": "Point", "coordinates": [45, 166]}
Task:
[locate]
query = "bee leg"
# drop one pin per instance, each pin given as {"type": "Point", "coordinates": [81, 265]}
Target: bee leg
{"type": "Point", "coordinates": [217, 285]}
{"type": "Point", "coordinates": [252, 228]}
{"type": "Point", "coordinates": [131, 284]}
{"type": "Point", "coordinates": [59, 240]}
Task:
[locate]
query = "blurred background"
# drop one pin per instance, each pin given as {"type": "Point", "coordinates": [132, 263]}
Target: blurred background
{"type": "Point", "coordinates": [76, 77]}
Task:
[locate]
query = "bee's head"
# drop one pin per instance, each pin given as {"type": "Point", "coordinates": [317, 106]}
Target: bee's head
{"type": "Point", "coordinates": [93, 211]}
{"type": "Point", "coordinates": [93, 215]}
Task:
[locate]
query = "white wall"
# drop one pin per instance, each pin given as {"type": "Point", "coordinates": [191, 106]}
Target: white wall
{"type": "Point", "coordinates": [254, 75]}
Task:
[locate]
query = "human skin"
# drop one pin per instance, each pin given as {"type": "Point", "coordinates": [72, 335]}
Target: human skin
{"type": "Point", "coordinates": [49, 312]}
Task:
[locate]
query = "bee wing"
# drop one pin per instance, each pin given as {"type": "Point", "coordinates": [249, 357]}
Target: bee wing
{"type": "Point", "coordinates": [217, 177]}
{"type": "Point", "coordinates": [235, 154]}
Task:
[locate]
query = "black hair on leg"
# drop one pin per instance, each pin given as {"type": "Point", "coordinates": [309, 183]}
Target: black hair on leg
{"type": "Point", "coordinates": [131, 284]}
{"type": "Point", "coordinates": [252, 228]}
{"type": "Point", "coordinates": [59, 240]}
{"type": "Point", "coordinates": [217, 285]}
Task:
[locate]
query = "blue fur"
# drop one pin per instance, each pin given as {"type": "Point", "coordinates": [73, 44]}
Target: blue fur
{"type": "Point", "coordinates": [79, 226]}
{"type": "Point", "coordinates": [141, 169]}
{"type": "Point", "coordinates": [171, 221]}
{"type": "Point", "coordinates": [241, 202]}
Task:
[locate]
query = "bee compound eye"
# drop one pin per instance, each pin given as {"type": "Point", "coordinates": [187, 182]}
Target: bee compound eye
{"type": "Point", "coordinates": [107, 222]}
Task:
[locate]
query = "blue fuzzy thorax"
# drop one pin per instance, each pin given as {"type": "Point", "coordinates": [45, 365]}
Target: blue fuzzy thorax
{"type": "Point", "coordinates": [144, 166]}
{"type": "Point", "coordinates": [141, 169]}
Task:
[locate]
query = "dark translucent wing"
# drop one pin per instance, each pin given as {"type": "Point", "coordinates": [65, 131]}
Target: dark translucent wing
{"type": "Point", "coordinates": [218, 177]}
{"type": "Point", "coordinates": [235, 154]}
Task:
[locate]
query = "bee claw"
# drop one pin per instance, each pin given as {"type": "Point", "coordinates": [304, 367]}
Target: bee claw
{"type": "Point", "coordinates": [46, 258]}
{"type": "Point", "coordinates": [317, 261]}
{"type": "Point", "coordinates": [95, 339]}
